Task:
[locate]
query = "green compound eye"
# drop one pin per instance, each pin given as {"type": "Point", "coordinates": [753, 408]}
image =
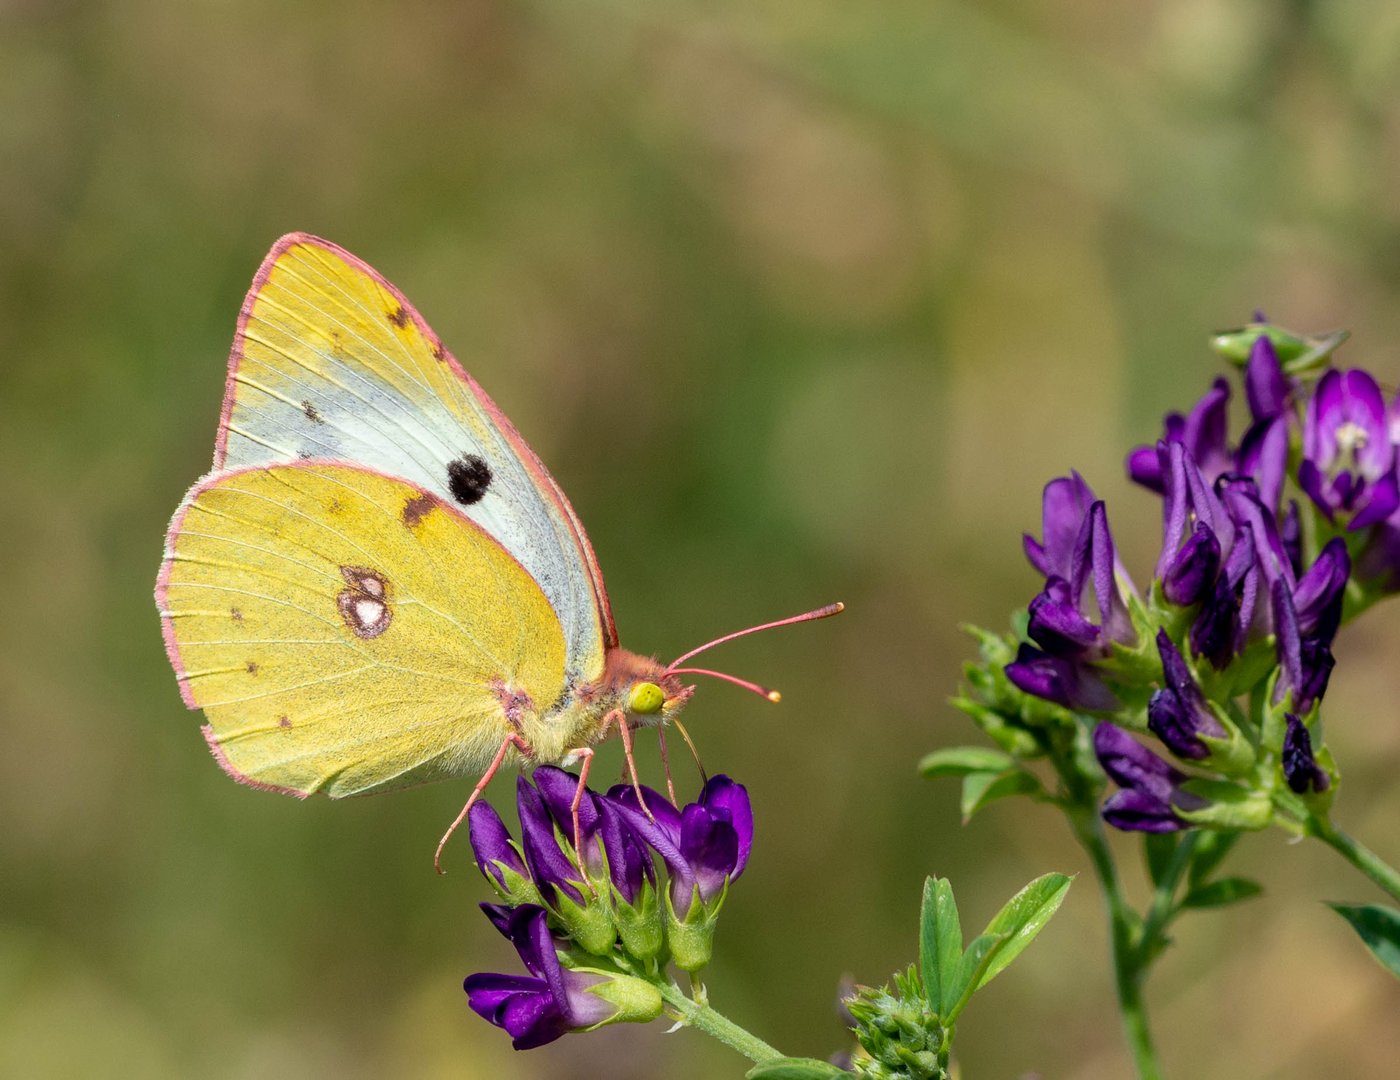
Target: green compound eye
{"type": "Point", "coordinates": [646, 697]}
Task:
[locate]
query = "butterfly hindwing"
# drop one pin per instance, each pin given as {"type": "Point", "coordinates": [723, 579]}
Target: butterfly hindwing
{"type": "Point", "coordinates": [330, 361]}
{"type": "Point", "coordinates": [346, 631]}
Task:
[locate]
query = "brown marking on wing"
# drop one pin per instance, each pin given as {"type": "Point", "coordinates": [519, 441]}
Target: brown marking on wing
{"type": "Point", "coordinates": [415, 509]}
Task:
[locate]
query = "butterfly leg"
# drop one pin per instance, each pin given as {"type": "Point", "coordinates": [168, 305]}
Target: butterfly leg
{"type": "Point", "coordinates": [585, 754]}
{"type": "Point", "coordinates": [513, 739]}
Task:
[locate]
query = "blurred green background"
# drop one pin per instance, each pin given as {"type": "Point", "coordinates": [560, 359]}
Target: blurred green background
{"type": "Point", "coordinates": [800, 301]}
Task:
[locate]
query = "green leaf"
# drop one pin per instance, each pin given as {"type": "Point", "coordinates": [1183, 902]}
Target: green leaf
{"type": "Point", "coordinates": [980, 789]}
{"type": "Point", "coordinates": [971, 972]}
{"type": "Point", "coordinates": [1212, 845]}
{"type": "Point", "coordinates": [1157, 852]}
{"type": "Point", "coordinates": [961, 760]}
{"type": "Point", "coordinates": [940, 944]}
{"type": "Point", "coordinates": [1024, 916]}
{"type": "Point", "coordinates": [1379, 927]}
{"type": "Point", "coordinates": [795, 1069]}
{"type": "Point", "coordinates": [1228, 890]}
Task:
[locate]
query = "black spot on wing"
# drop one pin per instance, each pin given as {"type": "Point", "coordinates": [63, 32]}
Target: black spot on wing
{"type": "Point", "coordinates": [311, 412]}
{"type": "Point", "coordinates": [399, 316]}
{"type": "Point", "coordinates": [468, 477]}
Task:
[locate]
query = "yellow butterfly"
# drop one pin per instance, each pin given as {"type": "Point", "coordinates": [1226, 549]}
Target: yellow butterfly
{"type": "Point", "coordinates": [379, 584]}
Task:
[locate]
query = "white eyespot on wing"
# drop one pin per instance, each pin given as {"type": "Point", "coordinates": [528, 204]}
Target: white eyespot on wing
{"type": "Point", "coordinates": [365, 604]}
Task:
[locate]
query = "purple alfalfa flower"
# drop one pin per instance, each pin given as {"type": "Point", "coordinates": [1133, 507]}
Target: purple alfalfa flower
{"type": "Point", "coordinates": [557, 870]}
{"type": "Point", "coordinates": [1290, 534]}
{"type": "Point", "coordinates": [552, 999]}
{"type": "Point", "coordinates": [1067, 682]}
{"type": "Point", "coordinates": [1192, 512]}
{"type": "Point", "coordinates": [1150, 787]}
{"type": "Point", "coordinates": [1306, 617]}
{"type": "Point", "coordinates": [498, 857]}
{"type": "Point", "coordinates": [1057, 625]}
{"type": "Point", "coordinates": [1218, 631]}
{"type": "Point", "coordinates": [1263, 452]}
{"type": "Point", "coordinates": [705, 846]}
{"type": "Point", "coordinates": [1305, 664]}
{"type": "Point", "coordinates": [1320, 591]}
{"type": "Point", "coordinates": [632, 883]}
{"type": "Point", "coordinates": [1349, 466]}
{"type": "Point", "coordinates": [1178, 713]}
{"type": "Point", "coordinates": [1067, 638]}
{"type": "Point", "coordinates": [1267, 389]}
{"type": "Point", "coordinates": [1077, 550]}
{"type": "Point", "coordinates": [1191, 573]}
{"type": "Point", "coordinates": [1233, 608]}
{"type": "Point", "coordinates": [1202, 433]}
{"type": "Point", "coordinates": [1065, 505]}
{"type": "Point", "coordinates": [1242, 501]}
{"type": "Point", "coordinates": [1300, 768]}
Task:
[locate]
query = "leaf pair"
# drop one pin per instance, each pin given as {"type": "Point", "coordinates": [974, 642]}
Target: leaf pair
{"type": "Point", "coordinates": [952, 974]}
{"type": "Point", "coordinates": [949, 973]}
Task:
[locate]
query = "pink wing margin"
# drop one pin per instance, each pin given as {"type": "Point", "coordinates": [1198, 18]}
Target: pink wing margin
{"type": "Point", "coordinates": [543, 480]}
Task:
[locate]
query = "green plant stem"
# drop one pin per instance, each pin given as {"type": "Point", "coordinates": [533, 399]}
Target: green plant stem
{"type": "Point", "coordinates": [1356, 853]}
{"type": "Point", "coordinates": [704, 1018]}
{"type": "Point", "coordinates": [1127, 973]}
{"type": "Point", "coordinates": [1163, 900]}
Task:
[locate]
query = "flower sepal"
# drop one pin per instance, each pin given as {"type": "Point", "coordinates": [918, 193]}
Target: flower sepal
{"type": "Point", "coordinates": [1219, 804]}
{"type": "Point", "coordinates": [590, 924]}
{"type": "Point", "coordinates": [499, 857]}
{"type": "Point", "coordinates": [1129, 668]}
{"type": "Point", "coordinates": [1233, 755]}
{"type": "Point", "coordinates": [634, 1000]}
{"type": "Point", "coordinates": [639, 922]}
{"type": "Point", "coordinates": [1243, 673]}
{"type": "Point", "coordinates": [691, 936]}
{"type": "Point", "coordinates": [513, 887]}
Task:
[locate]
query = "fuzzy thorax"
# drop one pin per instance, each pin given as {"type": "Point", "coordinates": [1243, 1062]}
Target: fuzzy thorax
{"type": "Point", "coordinates": [581, 716]}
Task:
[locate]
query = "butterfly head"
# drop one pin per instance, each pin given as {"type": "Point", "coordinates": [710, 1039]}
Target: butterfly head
{"type": "Point", "coordinates": [646, 688]}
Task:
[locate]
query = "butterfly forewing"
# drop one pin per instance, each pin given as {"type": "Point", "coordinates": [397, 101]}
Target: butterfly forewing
{"type": "Point", "coordinates": [346, 631]}
{"type": "Point", "coordinates": [332, 362]}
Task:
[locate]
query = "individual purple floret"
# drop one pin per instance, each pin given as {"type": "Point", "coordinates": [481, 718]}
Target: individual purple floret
{"type": "Point", "coordinates": [551, 1000]}
{"type": "Point", "coordinates": [1177, 714]}
{"type": "Point", "coordinates": [1300, 767]}
{"type": "Point", "coordinates": [704, 846]}
{"type": "Point", "coordinates": [1149, 784]}
{"type": "Point", "coordinates": [1348, 467]}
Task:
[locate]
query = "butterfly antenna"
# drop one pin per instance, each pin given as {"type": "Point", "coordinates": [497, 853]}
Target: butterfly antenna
{"type": "Point", "coordinates": [762, 691]}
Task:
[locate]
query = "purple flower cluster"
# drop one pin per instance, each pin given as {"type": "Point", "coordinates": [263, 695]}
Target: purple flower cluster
{"type": "Point", "coordinates": [585, 918]}
{"type": "Point", "coordinates": [1263, 542]}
